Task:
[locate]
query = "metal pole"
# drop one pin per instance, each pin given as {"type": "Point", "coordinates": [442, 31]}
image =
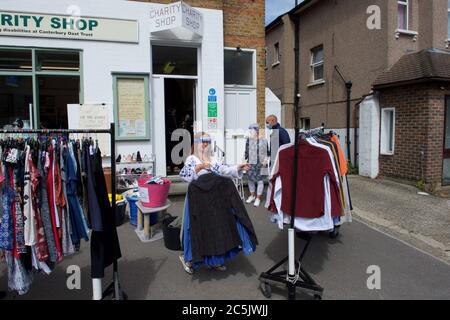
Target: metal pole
{"type": "Point", "coordinates": [291, 234]}
{"type": "Point", "coordinates": [348, 85]}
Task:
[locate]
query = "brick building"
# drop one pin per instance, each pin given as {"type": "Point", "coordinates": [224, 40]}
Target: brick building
{"type": "Point", "coordinates": [414, 104]}
{"type": "Point", "coordinates": [362, 39]}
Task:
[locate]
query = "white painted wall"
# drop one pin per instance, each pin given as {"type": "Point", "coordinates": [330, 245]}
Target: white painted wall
{"type": "Point", "coordinates": [369, 137]}
{"type": "Point", "coordinates": [100, 59]}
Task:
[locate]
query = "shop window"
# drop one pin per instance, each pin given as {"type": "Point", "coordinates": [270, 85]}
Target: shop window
{"type": "Point", "coordinates": [55, 93]}
{"type": "Point", "coordinates": [403, 14]}
{"type": "Point", "coordinates": [387, 131]}
{"type": "Point", "coordinates": [49, 60]}
{"type": "Point", "coordinates": [174, 60]}
{"type": "Point", "coordinates": [239, 67]}
{"type": "Point", "coordinates": [19, 60]}
{"type": "Point", "coordinates": [16, 98]}
{"type": "Point", "coordinates": [317, 64]}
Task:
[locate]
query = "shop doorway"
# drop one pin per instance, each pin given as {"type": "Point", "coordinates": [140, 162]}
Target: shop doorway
{"type": "Point", "coordinates": [179, 101]}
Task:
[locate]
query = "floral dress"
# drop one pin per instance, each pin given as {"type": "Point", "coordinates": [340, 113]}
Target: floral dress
{"type": "Point", "coordinates": [188, 173]}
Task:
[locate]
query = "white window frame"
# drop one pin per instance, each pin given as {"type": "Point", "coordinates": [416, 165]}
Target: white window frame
{"type": "Point", "coordinates": [385, 134]}
{"type": "Point", "coordinates": [277, 54]}
{"type": "Point", "coordinates": [317, 64]}
{"type": "Point", "coordinates": [254, 53]}
{"type": "Point", "coordinates": [403, 3]}
{"type": "Point", "coordinates": [448, 23]}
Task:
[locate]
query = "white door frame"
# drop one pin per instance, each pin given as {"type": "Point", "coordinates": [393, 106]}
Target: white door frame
{"type": "Point", "coordinates": [158, 99]}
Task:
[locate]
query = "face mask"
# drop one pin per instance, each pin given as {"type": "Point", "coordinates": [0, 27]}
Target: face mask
{"type": "Point", "coordinates": [269, 126]}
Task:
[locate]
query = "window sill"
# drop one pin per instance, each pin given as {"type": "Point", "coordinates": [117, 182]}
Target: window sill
{"type": "Point", "coordinates": [316, 83]}
{"type": "Point", "coordinates": [410, 33]}
{"type": "Point", "coordinates": [276, 64]}
{"type": "Point", "coordinates": [387, 153]}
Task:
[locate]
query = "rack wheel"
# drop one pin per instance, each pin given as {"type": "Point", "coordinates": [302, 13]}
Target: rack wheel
{"type": "Point", "coordinates": [317, 297]}
{"type": "Point", "coordinates": [335, 233]}
{"type": "Point", "coordinates": [266, 289]}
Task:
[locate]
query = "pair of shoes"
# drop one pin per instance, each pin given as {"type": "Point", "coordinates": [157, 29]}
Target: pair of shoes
{"type": "Point", "coordinates": [251, 199]}
{"type": "Point", "coordinates": [221, 268]}
{"type": "Point", "coordinates": [138, 157]}
{"type": "Point", "coordinates": [186, 266]}
{"type": "Point", "coordinates": [129, 158]}
{"type": "Point", "coordinates": [119, 158]}
{"type": "Point", "coordinates": [257, 202]}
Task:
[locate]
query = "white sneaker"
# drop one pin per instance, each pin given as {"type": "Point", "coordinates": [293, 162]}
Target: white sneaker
{"type": "Point", "coordinates": [257, 202]}
{"type": "Point", "coordinates": [250, 199]}
{"type": "Point", "coordinates": [187, 267]}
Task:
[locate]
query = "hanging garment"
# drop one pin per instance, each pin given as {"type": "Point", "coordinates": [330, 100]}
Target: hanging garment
{"type": "Point", "coordinates": [323, 223]}
{"type": "Point", "coordinates": [51, 202]}
{"type": "Point", "coordinates": [247, 246]}
{"type": "Point", "coordinates": [19, 279]}
{"type": "Point", "coordinates": [7, 225]}
{"type": "Point", "coordinates": [342, 161]}
{"type": "Point", "coordinates": [19, 225]}
{"type": "Point", "coordinates": [28, 208]}
{"type": "Point", "coordinates": [213, 229]}
{"type": "Point", "coordinates": [45, 208]}
{"type": "Point", "coordinates": [76, 215]}
{"type": "Point", "coordinates": [313, 164]}
{"type": "Point", "coordinates": [66, 240]}
{"type": "Point", "coordinates": [105, 248]}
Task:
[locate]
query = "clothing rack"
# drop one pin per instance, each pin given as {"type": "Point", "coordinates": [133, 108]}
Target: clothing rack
{"type": "Point", "coordinates": [114, 288]}
{"type": "Point", "coordinates": [296, 276]}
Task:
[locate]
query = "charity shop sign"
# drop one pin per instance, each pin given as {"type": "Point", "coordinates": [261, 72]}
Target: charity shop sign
{"type": "Point", "coordinates": [22, 24]}
{"type": "Point", "coordinates": [176, 15]}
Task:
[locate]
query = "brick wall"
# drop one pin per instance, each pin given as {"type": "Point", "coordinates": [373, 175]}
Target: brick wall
{"type": "Point", "coordinates": [419, 128]}
{"type": "Point", "coordinates": [243, 27]}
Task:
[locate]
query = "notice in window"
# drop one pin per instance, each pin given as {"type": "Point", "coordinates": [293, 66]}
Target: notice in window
{"type": "Point", "coordinates": [131, 105]}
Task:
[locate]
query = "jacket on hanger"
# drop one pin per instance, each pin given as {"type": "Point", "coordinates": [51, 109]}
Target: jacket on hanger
{"type": "Point", "coordinates": [214, 207]}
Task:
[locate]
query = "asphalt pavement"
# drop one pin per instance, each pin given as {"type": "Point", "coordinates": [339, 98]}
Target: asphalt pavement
{"type": "Point", "coordinates": [150, 271]}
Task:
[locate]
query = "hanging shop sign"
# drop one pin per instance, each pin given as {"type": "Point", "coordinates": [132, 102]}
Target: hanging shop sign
{"type": "Point", "coordinates": [21, 24]}
{"type": "Point", "coordinates": [212, 109]}
{"type": "Point", "coordinates": [176, 15]}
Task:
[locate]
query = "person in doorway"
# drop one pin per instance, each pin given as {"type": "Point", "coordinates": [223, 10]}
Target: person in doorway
{"type": "Point", "coordinates": [256, 155]}
{"type": "Point", "coordinates": [202, 161]}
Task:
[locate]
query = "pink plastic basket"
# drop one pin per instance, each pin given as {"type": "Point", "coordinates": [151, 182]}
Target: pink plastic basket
{"type": "Point", "coordinates": [153, 195]}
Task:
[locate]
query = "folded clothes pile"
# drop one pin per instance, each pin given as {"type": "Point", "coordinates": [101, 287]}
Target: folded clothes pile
{"type": "Point", "coordinates": [156, 180]}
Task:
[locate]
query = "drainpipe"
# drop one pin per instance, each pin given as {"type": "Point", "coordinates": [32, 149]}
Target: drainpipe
{"type": "Point", "coordinates": [348, 86]}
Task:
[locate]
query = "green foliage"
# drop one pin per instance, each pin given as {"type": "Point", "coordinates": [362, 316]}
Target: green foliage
{"type": "Point", "coordinates": [352, 170]}
{"type": "Point", "coordinates": [420, 185]}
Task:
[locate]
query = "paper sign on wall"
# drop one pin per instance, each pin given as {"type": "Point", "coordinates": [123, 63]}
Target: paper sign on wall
{"type": "Point", "coordinates": [92, 116]}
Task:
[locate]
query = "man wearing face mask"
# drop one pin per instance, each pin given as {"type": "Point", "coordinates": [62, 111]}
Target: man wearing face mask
{"type": "Point", "coordinates": [277, 130]}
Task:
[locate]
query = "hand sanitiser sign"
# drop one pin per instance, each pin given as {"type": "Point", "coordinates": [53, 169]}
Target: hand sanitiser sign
{"type": "Point", "coordinates": [21, 24]}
